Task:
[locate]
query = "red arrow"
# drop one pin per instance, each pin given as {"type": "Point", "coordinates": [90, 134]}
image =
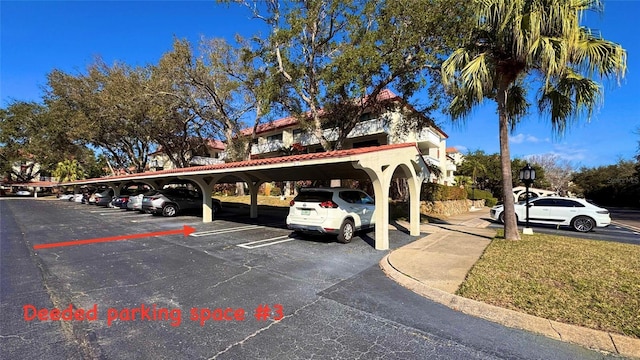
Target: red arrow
{"type": "Point", "coordinates": [186, 230]}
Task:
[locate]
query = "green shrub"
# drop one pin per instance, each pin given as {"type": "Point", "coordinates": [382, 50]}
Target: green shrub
{"type": "Point", "coordinates": [276, 191]}
{"type": "Point", "coordinates": [489, 200]}
{"type": "Point", "coordinates": [437, 192]}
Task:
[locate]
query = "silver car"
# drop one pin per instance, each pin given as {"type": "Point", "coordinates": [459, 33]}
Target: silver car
{"type": "Point", "coordinates": [171, 201]}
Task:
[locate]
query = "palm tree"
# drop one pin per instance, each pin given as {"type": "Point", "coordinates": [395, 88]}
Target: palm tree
{"type": "Point", "coordinates": [518, 42]}
{"type": "Point", "coordinates": [68, 170]}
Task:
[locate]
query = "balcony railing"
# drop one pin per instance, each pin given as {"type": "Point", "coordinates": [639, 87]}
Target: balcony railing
{"type": "Point", "coordinates": [267, 147]}
{"type": "Point", "coordinates": [431, 160]}
{"type": "Point", "coordinates": [203, 160]}
{"type": "Point", "coordinates": [364, 128]}
{"type": "Point", "coordinates": [428, 135]}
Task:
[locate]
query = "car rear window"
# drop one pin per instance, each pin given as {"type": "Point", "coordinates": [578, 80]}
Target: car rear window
{"type": "Point", "coordinates": [313, 196]}
{"type": "Point", "coordinates": [356, 197]}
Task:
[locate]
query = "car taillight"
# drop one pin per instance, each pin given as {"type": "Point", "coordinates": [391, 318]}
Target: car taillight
{"type": "Point", "coordinates": [291, 203]}
{"type": "Point", "coordinates": [328, 204]}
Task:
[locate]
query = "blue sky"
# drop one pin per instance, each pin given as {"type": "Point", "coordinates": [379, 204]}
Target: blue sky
{"type": "Point", "coordinates": [39, 36]}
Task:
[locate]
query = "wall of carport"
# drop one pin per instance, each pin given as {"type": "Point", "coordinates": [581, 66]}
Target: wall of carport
{"type": "Point", "coordinates": [380, 165]}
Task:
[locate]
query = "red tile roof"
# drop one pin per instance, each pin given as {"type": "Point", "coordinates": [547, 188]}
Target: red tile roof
{"type": "Point", "coordinates": [267, 161]}
{"type": "Point", "coordinates": [385, 94]}
{"type": "Point", "coordinates": [276, 124]}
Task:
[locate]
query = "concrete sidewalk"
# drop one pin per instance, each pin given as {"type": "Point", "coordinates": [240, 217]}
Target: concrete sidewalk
{"type": "Point", "coordinates": [435, 266]}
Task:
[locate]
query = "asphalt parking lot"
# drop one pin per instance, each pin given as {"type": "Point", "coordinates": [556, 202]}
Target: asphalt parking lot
{"type": "Point", "coordinates": [234, 289]}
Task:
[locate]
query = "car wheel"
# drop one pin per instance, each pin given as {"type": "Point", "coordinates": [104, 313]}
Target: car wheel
{"type": "Point", "coordinates": [583, 224]}
{"type": "Point", "coordinates": [169, 210]}
{"type": "Point", "coordinates": [346, 232]}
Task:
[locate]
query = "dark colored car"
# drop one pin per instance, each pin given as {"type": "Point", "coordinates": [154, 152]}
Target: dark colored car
{"type": "Point", "coordinates": [170, 202]}
{"type": "Point", "coordinates": [104, 197]}
{"type": "Point", "coordinates": [120, 201]}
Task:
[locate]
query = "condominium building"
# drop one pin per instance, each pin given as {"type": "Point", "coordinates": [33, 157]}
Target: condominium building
{"type": "Point", "coordinates": [276, 138]}
{"type": "Point", "coordinates": [282, 136]}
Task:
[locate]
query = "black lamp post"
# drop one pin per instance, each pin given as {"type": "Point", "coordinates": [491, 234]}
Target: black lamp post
{"type": "Point", "coordinates": [527, 175]}
{"type": "Point", "coordinates": [473, 190]}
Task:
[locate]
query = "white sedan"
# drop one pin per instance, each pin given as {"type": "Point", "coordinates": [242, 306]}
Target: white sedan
{"type": "Point", "coordinates": [579, 214]}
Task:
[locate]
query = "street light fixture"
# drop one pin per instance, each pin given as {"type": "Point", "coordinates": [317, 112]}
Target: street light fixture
{"type": "Point", "coordinates": [473, 195]}
{"type": "Point", "coordinates": [527, 175]}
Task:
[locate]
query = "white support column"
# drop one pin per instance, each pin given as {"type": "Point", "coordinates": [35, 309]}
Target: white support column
{"type": "Point", "coordinates": [253, 194]}
{"type": "Point", "coordinates": [207, 192]}
{"type": "Point", "coordinates": [375, 171]}
{"type": "Point", "coordinates": [415, 187]}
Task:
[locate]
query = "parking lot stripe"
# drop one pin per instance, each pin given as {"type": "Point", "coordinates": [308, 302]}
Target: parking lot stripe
{"type": "Point", "coordinates": [264, 242]}
{"type": "Point", "coordinates": [224, 231]}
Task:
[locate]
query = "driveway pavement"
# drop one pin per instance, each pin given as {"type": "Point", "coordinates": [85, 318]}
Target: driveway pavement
{"type": "Point", "coordinates": [435, 266]}
{"type": "Point", "coordinates": [176, 297]}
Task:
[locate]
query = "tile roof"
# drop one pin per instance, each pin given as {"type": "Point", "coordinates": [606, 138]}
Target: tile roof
{"type": "Point", "coordinates": [385, 94]}
{"type": "Point", "coordinates": [267, 161]}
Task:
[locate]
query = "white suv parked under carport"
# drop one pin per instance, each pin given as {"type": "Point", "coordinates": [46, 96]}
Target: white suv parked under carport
{"type": "Point", "coordinates": [338, 211]}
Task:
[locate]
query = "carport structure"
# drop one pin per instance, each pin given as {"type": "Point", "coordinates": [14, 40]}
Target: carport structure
{"type": "Point", "coordinates": [380, 164]}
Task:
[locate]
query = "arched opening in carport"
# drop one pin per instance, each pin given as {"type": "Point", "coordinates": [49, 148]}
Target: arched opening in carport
{"type": "Point", "coordinates": [378, 164]}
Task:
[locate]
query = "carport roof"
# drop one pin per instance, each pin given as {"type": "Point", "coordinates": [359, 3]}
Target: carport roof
{"type": "Point", "coordinates": [328, 165]}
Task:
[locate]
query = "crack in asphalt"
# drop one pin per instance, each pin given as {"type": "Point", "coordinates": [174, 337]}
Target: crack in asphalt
{"type": "Point", "coordinates": [257, 332]}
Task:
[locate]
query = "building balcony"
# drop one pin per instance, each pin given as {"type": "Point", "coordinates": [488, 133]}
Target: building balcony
{"type": "Point", "coordinates": [266, 147]}
{"type": "Point", "coordinates": [431, 160]}
{"type": "Point", "coordinates": [203, 160]}
{"type": "Point", "coordinates": [428, 136]}
{"type": "Point", "coordinates": [364, 128]}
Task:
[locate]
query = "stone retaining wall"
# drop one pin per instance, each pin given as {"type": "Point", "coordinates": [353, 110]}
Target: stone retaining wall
{"type": "Point", "coordinates": [450, 207]}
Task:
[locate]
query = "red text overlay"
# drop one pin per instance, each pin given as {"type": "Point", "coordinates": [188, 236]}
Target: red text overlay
{"type": "Point", "coordinates": [152, 312]}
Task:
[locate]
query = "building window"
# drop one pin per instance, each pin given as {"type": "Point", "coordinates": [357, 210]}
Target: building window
{"type": "Point", "coordinates": [276, 137]}
{"type": "Point", "coordinates": [367, 116]}
{"type": "Point", "coordinates": [369, 143]}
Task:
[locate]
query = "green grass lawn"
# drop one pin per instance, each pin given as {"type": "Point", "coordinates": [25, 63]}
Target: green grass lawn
{"type": "Point", "coordinates": [589, 283]}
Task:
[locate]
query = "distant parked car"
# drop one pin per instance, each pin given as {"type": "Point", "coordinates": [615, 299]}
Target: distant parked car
{"type": "Point", "coordinates": [120, 201]}
{"type": "Point", "coordinates": [79, 198]}
{"type": "Point", "coordinates": [336, 211]}
{"type": "Point", "coordinates": [579, 214]}
{"type": "Point", "coordinates": [135, 201]}
{"type": "Point", "coordinates": [67, 195]}
{"type": "Point", "coordinates": [23, 193]}
{"type": "Point", "coordinates": [104, 197]}
{"type": "Point", "coordinates": [171, 201]}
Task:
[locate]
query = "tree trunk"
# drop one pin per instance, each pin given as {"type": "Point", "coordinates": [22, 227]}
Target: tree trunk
{"type": "Point", "coordinates": [510, 223]}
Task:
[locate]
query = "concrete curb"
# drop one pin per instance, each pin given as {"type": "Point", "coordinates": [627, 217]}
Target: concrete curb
{"type": "Point", "coordinates": [590, 338]}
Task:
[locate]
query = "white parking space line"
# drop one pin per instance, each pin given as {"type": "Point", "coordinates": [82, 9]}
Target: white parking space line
{"type": "Point", "coordinates": [231, 230]}
{"type": "Point", "coordinates": [225, 231]}
{"type": "Point", "coordinates": [110, 212]}
{"type": "Point", "coordinates": [148, 218]}
{"type": "Point", "coordinates": [266, 242]}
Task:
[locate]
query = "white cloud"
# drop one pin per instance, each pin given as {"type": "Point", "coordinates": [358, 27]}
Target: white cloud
{"type": "Point", "coordinates": [522, 138]}
{"type": "Point", "coordinates": [570, 153]}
